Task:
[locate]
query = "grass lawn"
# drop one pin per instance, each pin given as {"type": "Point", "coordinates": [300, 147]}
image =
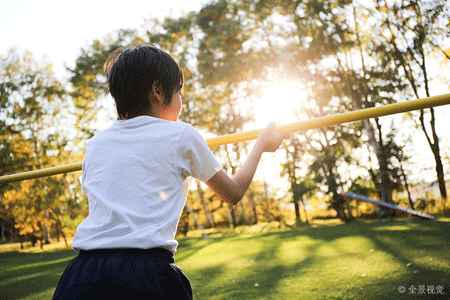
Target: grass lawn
{"type": "Point", "coordinates": [360, 260]}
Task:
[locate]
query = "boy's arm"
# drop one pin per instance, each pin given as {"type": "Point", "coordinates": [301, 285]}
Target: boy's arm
{"type": "Point", "coordinates": [232, 189]}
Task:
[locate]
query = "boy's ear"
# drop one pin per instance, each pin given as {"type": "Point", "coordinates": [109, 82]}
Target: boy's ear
{"type": "Point", "coordinates": [157, 92]}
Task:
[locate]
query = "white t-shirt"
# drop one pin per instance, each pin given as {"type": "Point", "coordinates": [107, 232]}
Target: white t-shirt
{"type": "Point", "coordinates": [136, 176]}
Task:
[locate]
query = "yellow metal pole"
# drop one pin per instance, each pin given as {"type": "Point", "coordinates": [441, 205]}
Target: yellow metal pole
{"type": "Point", "coordinates": [251, 135]}
{"type": "Point", "coordinates": [41, 173]}
{"type": "Point", "coordinates": [352, 116]}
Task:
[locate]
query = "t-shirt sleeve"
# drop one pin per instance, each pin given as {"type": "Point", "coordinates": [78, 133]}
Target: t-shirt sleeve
{"type": "Point", "coordinates": [195, 157]}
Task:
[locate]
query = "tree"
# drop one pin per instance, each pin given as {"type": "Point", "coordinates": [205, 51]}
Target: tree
{"type": "Point", "coordinates": [414, 30]}
{"type": "Point", "coordinates": [212, 102]}
{"type": "Point", "coordinates": [326, 53]}
{"type": "Point", "coordinates": [32, 104]}
{"type": "Point", "coordinates": [397, 158]}
{"type": "Point", "coordinates": [89, 86]}
{"type": "Point", "coordinates": [301, 184]}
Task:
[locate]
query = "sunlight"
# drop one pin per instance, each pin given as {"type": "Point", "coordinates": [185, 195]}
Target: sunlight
{"type": "Point", "coordinates": [280, 102]}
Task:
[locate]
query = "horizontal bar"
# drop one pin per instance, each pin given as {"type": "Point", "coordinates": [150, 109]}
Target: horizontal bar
{"type": "Point", "coordinates": [41, 173]}
{"type": "Point", "coordinates": [347, 117]}
{"type": "Point", "coordinates": [352, 116]}
{"type": "Point", "coordinates": [387, 205]}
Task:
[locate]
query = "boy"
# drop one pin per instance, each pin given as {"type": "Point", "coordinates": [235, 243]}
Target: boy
{"type": "Point", "coordinates": [136, 176]}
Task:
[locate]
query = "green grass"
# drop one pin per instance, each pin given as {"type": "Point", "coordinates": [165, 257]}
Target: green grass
{"type": "Point", "coordinates": [349, 261]}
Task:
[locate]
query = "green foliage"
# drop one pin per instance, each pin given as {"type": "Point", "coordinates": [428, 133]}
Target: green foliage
{"type": "Point", "coordinates": [344, 54]}
{"type": "Point", "coordinates": [228, 48]}
{"type": "Point", "coordinates": [409, 44]}
{"type": "Point", "coordinates": [33, 113]}
{"type": "Point", "coordinates": [88, 82]}
{"type": "Point", "coordinates": [362, 186]}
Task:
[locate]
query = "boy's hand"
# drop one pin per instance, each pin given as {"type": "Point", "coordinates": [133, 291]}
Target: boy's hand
{"type": "Point", "coordinates": [270, 139]}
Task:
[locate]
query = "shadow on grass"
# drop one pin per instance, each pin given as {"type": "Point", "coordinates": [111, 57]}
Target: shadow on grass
{"type": "Point", "coordinates": [301, 263]}
{"type": "Point", "coordinates": [243, 283]}
{"type": "Point", "coordinates": [418, 249]}
{"type": "Point", "coordinates": [423, 253]}
{"type": "Point", "coordinates": [25, 274]}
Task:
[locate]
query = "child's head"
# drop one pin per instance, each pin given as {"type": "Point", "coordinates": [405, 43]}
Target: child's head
{"type": "Point", "coordinates": [134, 76]}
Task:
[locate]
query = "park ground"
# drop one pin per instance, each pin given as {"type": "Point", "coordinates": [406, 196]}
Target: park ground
{"type": "Point", "coordinates": [405, 258]}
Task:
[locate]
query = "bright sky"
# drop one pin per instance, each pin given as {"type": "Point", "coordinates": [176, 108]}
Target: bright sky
{"type": "Point", "coordinates": [59, 28]}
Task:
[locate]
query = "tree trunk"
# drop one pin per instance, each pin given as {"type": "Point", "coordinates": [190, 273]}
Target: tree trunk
{"type": "Point", "coordinates": [385, 185]}
{"type": "Point", "coordinates": [33, 239]}
{"type": "Point", "coordinates": [231, 208]}
{"type": "Point", "coordinates": [349, 211]}
{"type": "Point", "coordinates": [434, 145]}
{"type": "Point", "coordinates": [64, 237]}
{"type": "Point", "coordinates": [266, 200]}
{"type": "Point", "coordinates": [251, 200]}
{"type": "Point", "coordinates": [304, 210]}
{"type": "Point", "coordinates": [208, 216]}
{"type": "Point", "coordinates": [45, 234]}
{"type": "Point", "coordinates": [59, 231]}
{"type": "Point", "coordinates": [406, 186]}
{"type": "Point", "coordinates": [338, 203]}
{"type": "Point", "coordinates": [244, 214]}
{"type": "Point", "coordinates": [232, 215]}
{"type": "Point", "coordinates": [385, 190]}
{"type": "Point", "coordinates": [297, 212]}
{"type": "Point", "coordinates": [385, 182]}
{"type": "Point", "coordinates": [44, 228]}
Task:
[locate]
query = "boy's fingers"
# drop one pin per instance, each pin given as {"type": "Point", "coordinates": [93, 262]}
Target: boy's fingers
{"type": "Point", "coordinates": [283, 135]}
{"type": "Point", "coordinates": [274, 137]}
{"type": "Point", "coordinates": [286, 136]}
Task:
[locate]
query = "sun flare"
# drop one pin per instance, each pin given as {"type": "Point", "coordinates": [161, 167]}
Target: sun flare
{"type": "Point", "coordinates": [281, 102]}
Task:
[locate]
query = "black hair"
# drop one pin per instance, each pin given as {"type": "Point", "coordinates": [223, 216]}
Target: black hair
{"type": "Point", "coordinates": [133, 75]}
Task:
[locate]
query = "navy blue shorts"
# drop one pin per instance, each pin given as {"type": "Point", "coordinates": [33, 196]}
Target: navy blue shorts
{"type": "Point", "coordinates": [123, 274]}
